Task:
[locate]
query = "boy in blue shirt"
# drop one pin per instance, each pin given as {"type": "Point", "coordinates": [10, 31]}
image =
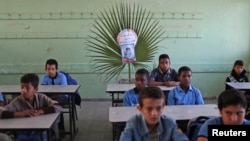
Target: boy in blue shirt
{"type": "Point", "coordinates": [185, 93]}
{"type": "Point", "coordinates": [141, 81]}
{"type": "Point", "coordinates": [54, 77]}
{"type": "Point", "coordinates": [150, 124]}
{"type": "Point", "coordinates": [232, 105]}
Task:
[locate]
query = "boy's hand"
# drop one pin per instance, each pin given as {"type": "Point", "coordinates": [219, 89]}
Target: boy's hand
{"type": "Point", "coordinates": [24, 113]}
{"type": "Point", "coordinates": [36, 112]}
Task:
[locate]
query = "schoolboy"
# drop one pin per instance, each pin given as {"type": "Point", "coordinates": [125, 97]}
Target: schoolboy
{"type": "Point", "coordinates": [164, 75]}
{"type": "Point", "coordinates": [29, 103]}
{"type": "Point", "coordinates": [185, 93]}
{"type": "Point", "coordinates": [151, 124]}
{"type": "Point", "coordinates": [54, 77]}
{"type": "Point", "coordinates": [141, 81]}
{"type": "Point", "coordinates": [232, 106]}
{"type": "Point", "coordinates": [238, 73]}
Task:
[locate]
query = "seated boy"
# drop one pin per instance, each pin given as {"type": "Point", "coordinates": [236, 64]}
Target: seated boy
{"type": "Point", "coordinates": [151, 124]}
{"type": "Point", "coordinates": [1, 100]}
{"type": "Point", "coordinates": [54, 77]}
{"type": "Point", "coordinates": [238, 73]}
{"type": "Point", "coordinates": [163, 75]}
{"type": "Point", "coordinates": [141, 81]}
{"type": "Point", "coordinates": [232, 106]}
{"type": "Point", "coordinates": [185, 93]}
{"type": "Point", "coordinates": [29, 103]}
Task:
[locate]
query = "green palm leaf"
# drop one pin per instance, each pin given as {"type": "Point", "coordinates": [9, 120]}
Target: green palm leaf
{"type": "Point", "coordinates": [103, 50]}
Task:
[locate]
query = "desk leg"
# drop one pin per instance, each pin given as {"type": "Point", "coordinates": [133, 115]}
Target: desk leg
{"type": "Point", "coordinates": [70, 117]}
{"type": "Point", "coordinates": [112, 94]}
{"type": "Point", "coordinates": [49, 135]}
{"type": "Point", "coordinates": [73, 113]}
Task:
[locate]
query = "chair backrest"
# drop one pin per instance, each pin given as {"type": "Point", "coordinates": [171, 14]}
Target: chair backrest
{"type": "Point", "coordinates": [194, 126]}
{"type": "Point", "coordinates": [71, 81]}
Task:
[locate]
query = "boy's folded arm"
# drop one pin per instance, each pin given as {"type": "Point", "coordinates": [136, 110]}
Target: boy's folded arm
{"type": "Point", "coordinates": [7, 114]}
{"type": "Point", "coordinates": [48, 110]}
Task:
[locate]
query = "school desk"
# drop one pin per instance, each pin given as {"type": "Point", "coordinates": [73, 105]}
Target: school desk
{"type": "Point", "coordinates": [239, 85]}
{"type": "Point", "coordinates": [37, 123]}
{"type": "Point", "coordinates": [116, 89]}
{"type": "Point", "coordinates": [50, 90]}
{"type": "Point", "coordinates": [119, 115]}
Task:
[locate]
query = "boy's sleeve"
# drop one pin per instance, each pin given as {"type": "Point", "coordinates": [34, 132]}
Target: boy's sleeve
{"type": "Point", "coordinates": [1, 97]}
{"type": "Point", "coordinates": [179, 136]}
{"type": "Point", "coordinates": [63, 80]}
{"type": "Point", "coordinates": [199, 98]}
{"type": "Point", "coordinates": [127, 134]}
{"type": "Point", "coordinates": [126, 99]}
{"type": "Point", "coordinates": [171, 98]}
{"type": "Point", "coordinates": [152, 76]}
{"type": "Point", "coordinates": [203, 132]}
{"type": "Point", "coordinates": [44, 80]}
{"type": "Point", "coordinates": [52, 105]}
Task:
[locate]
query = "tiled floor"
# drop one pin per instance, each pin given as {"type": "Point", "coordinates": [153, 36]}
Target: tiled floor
{"type": "Point", "coordinates": [93, 124]}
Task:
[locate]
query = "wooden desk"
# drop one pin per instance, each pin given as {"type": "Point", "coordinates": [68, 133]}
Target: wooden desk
{"type": "Point", "coordinates": [119, 115]}
{"type": "Point", "coordinates": [239, 86]}
{"type": "Point", "coordinates": [38, 123]}
{"type": "Point", "coordinates": [70, 90]}
{"type": "Point", "coordinates": [113, 89]}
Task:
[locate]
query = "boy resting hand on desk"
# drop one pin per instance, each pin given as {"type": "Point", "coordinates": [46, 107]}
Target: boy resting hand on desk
{"type": "Point", "coordinates": [29, 103]}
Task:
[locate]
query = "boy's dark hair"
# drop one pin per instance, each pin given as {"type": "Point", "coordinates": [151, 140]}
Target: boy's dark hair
{"type": "Point", "coordinates": [143, 72]}
{"type": "Point", "coordinates": [238, 62]}
{"type": "Point", "coordinates": [30, 78]}
{"type": "Point", "coordinates": [164, 56]}
{"type": "Point", "coordinates": [182, 69]}
{"type": "Point", "coordinates": [51, 62]}
{"type": "Point", "coordinates": [231, 97]}
{"type": "Point", "coordinates": [127, 48]}
{"type": "Point", "coordinates": [153, 92]}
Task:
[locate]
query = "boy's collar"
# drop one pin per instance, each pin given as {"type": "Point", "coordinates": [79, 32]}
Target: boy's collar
{"type": "Point", "coordinates": [54, 76]}
{"type": "Point", "coordinates": [168, 71]}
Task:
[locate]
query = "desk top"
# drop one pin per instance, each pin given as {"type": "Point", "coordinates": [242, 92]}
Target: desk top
{"type": "Point", "coordinates": [12, 89]}
{"type": "Point", "coordinates": [36, 122]}
{"type": "Point", "coordinates": [178, 112]}
{"type": "Point", "coordinates": [121, 88]}
{"type": "Point", "coordinates": [240, 85]}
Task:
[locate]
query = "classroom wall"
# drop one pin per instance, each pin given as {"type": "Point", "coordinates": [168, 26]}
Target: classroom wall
{"type": "Point", "coordinates": [205, 35]}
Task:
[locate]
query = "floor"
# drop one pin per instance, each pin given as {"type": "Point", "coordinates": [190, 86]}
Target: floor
{"type": "Point", "coordinates": [93, 124]}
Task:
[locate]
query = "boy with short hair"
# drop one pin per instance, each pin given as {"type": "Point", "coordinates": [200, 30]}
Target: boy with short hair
{"type": "Point", "coordinates": [54, 77]}
{"type": "Point", "coordinates": [238, 73]}
{"type": "Point", "coordinates": [232, 105]}
{"type": "Point", "coordinates": [164, 75]}
{"type": "Point", "coordinates": [185, 93]}
{"type": "Point", "coordinates": [150, 124]}
{"type": "Point", "coordinates": [29, 103]}
{"type": "Point", "coordinates": [141, 81]}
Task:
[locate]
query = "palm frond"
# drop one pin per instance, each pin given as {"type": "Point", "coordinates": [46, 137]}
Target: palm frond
{"type": "Point", "coordinates": [103, 50]}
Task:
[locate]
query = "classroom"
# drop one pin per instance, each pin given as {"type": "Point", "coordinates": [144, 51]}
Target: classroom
{"type": "Point", "coordinates": [207, 36]}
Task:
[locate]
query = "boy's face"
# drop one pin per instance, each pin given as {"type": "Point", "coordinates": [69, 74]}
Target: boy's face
{"type": "Point", "coordinates": [51, 70]}
{"type": "Point", "coordinates": [164, 64]}
{"type": "Point", "coordinates": [185, 78]}
{"type": "Point", "coordinates": [27, 90]}
{"type": "Point", "coordinates": [152, 110]}
{"type": "Point", "coordinates": [141, 81]}
{"type": "Point", "coordinates": [233, 115]}
{"type": "Point", "coordinates": [238, 69]}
